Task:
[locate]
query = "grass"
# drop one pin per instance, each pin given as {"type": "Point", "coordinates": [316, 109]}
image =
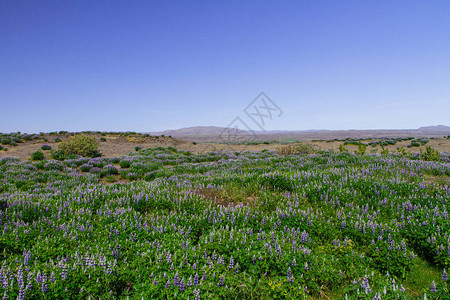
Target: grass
{"type": "Point", "coordinates": [420, 277]}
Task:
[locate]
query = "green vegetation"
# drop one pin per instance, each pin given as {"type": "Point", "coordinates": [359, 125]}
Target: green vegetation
{"type": "Point", "coordinates": [82, 145]}
{"type": "Point", "coordinates": [162, 223]}
{"type": "Point", "coordinates": [37, 155]}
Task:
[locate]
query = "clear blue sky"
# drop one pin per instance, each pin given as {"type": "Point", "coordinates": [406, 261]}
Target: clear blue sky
{"type": "Point", "coordinates": [156, 65]}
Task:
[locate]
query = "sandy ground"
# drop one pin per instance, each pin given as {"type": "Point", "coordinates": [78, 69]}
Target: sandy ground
{"type": "Point", "coordinates": [122, 145]}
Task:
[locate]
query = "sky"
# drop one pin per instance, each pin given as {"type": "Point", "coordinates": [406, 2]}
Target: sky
{"type": "Point", "coordinates": [156, 65]}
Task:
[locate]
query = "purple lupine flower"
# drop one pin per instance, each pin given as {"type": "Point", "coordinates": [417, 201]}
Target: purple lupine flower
{"type": "Point", "coordinates": [303, 237]}
{"type": "Point", "coordinates": [52, 277]}
{"type": "Point", "coordinates": [168, 284]}
{"type": "Point", "coordinates": [306, 266]}
{"type": "Point", "coordinates": [231, 265]}
{"type": "Point", "coordinates": [21, 295]}
{"type": "Point", "coordinates": [433, 287]}
{"type": "Point", "coordinates": [176, 280]}
{"type": "Point", "coordinates": [197, 294]}
{"type": "Point", "coordinates": [444, 276]}
{"type": "Point", "coordinates": [195, 279]}
{"type": "Point", "coordinates": [155, 282]}
{"type": "Point", "coordinates": [222, 280]}
{"type": "Point", "coordinates": [44, 287]}
{"type": "Point", "coordinates": [182, 286]}
{"type": "Point", "coordinates": [63, 272]}
{"type": "Point", "coordinates": [289, 275]}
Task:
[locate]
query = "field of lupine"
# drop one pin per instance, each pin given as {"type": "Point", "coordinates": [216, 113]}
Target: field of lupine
{"type": "Point", "coordinates": [168, 224]}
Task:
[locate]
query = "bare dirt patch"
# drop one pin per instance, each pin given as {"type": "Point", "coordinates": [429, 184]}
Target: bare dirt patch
{"type": "Point", "coordinates": [221, 197]}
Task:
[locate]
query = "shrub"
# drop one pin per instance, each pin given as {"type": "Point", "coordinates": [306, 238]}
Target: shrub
{"type": "Point", "coordinates": [5, 141]}
{"type": "Point", "coordinates": [37, 155]}
{"type": "Point", "coordinates": [102, 139]}
{"type": "Point", "coordinates": [110, 179]}
{"type": "Point", "coordinates": [361, 149]}
{"type": "Point", "coordinates": [429, 154]}
{"type": "Point", "coordinates": [95, 170]}
{"type": "Point", "coordinates": [137, 148]}
{"type": "Point", "coordinates": [109, 170]}
{"type": "Point", "coordinates": [57, 140]}
{"type": "Point", "coordinates": [57, 154]}
{"type": "Point", "coordinates": [304, 148]}
{"type": "Point", "coordinates": [125, 164]}
{"type": "Point", "coordinates": [46, 147]}
{"type": "Point", "coordinates": [299, 148]}
{"type": "Point", "coordinates": [82, 145]}
{"type": "Point", "coordinates": [85, 167]}
{"type": "Point", "coordinates": [414, 144]}
{"type": "Point", "coordinates": [342, 149]}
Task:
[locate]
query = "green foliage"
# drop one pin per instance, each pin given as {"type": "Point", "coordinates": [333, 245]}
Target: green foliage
{"type": "Point", "coordinates": [137, 148]}
{"type": "Point", "coordinates": [429, 154]}
{"type": "Point", "coordinates": [110, 179]}
{"type": "Point", "coordinates": [361, 149]}
{"type": "Point", "coordinates": [342, 149]}
{"type": "Point", "coordinates": [384, 151]}
{"type": "Point", "coordinates": [58, 154]}
{"type": "Point", "coordinates": [251, 225]}
{"type": "Point", "coordinates": [37, 155]}
{"type": "Point", "coordinates": [125, 163]}
{"type": "Point", "coordinates": [401, 151]}
{"type": "Point", "coordinates": [82, 145]}
{"type": "Point", "coordinates": [297, 148]}
{"type": "Point", "coordinates": [46, 147]}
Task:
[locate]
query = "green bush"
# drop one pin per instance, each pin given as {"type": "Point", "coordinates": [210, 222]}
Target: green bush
{"type": "Point", "coordinates": [125, 164]}
{"type": "Point", "coordinates": [82, 145]}
{"type": "Point", "coordinates": [342, 149]}
{"type": "Point", "coordinates": [429, 154]}
{"type": "Point", "coordinates": [137, 148]}
{"type": "Point", "coordinates": [57, 154]}
{"type": "Point", "coordinates": [37, 155]}
{"type": "Point", "coordinates": [361, 149]}
{"type": "Point", "coordinates": [46, 147]}
{"type": "Point", "coordinates": [110, 179]}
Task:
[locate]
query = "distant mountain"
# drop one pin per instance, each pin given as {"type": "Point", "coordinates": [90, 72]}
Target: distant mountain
{"type": "Point", "coordinates": [196, 131]}
{"type": "Point", "coordinates": [214, 133]}
{"type": "Point", "coordinates": [435, 128]}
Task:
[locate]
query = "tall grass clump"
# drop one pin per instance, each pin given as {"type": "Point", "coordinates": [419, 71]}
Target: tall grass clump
{"type": "Point", "coordinates": [297, 148]}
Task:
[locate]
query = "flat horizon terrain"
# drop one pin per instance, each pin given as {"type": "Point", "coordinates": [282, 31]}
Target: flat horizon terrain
{"type": "Point", "coordinates": [116, 145]}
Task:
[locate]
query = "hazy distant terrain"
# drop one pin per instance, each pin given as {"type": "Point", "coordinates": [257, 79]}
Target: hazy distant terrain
{"type": "Point", "coordinates": [214, 133]}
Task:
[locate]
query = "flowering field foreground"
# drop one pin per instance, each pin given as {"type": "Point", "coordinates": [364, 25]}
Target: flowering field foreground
{"type": "Point", "coordinates": [221, 225]}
